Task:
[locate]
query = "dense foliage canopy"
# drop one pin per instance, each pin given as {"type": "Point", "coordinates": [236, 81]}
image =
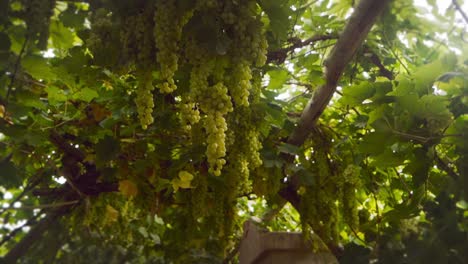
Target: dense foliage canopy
{"type": "Point", "coordinates": [149, 131]}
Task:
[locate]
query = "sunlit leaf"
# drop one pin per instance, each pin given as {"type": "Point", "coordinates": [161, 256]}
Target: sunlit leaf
{"type": "Point", "coordinates": [128, 188]}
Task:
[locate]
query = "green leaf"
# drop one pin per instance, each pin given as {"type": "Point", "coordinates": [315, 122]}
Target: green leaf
{"type": "Point", "coordinates": [419, 166]}
{"type": "Point", "coordinates": [38, 67]}
{"type": "Point", "coordinates": [278, 12]}
{"type": "Point", "coordinates": [375, 142]}
{"type": "Point", "coordinates": [142, 231]}
{"type": "Point", "coordinates": [387, 159]}
{"type": "Point", "coordinates": [9, 175]}
{"type": "Point", "coordinates": [427, 74]}
{"type": "Point", "coordinates": [55, 95]}
{"type": "Point", "coordinates": [277, 78]}
{"type": "Point", "coordinates": [355, 95]}
{"type": "Point", "coordinates": [86, 95]}
{"type": "Point", "coordinates": [5, 42]}
{"type": "Point", "coordinates": [376, 114]}
{"type": "Point", "coordinates": [107, 149]}
{"type": "Point", "coordinates": [61, 36]}
{"type": "Point", "coordinates": [289, 149]}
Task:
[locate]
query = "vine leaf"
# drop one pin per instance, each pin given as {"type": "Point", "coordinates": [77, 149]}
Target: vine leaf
{"type": "Point", "coordinates": [38, 67]}
{"type": "Point", "coordinates": [9, 176]}
{"type": "Point", "coordinates": [86, 95]}
{"type": "Point", "coordinates": [183, 181]}
{"type": "Point", "coordinates": [278, 12]}
{"type": "Point", "coordinates": [128, 188]}
{"type": "Point", "coordinates": [111, 214]}
{"type": "Point", "coordinates": [107, 149]}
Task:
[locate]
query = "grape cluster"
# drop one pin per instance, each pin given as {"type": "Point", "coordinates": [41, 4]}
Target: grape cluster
{"type": "Point", "coordinates": [144, 39]}
{"type": "Point", "coordinates": [350, 183]}
{"type": "Point", "coordinates": [101, 25]}
{"type": "Point", "coordinates": [144, 100]}
{"type": "Point", "coordinates": [214, 99]}
{"type": "Point", "coordinates": [198, 200]}
{"type": "Point", "coordinates": [189, 115]}
{"type": "Point", "coordinates": [220, 85]}
{"type": "Point", "coordinates": [215, 125]}
{"type": "Point", "coordinates": [215, 103]}
{"type": "Point", "coordinates": [239, 83]}
{"type": "Point", "coordinates": [169, 23]}
{"type": "Point", "coordinates": [249, 40]}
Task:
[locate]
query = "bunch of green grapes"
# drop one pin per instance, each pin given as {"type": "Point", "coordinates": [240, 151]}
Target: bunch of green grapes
{"type": "Point", "coordinates": [214, 99]}
{"type": "Point", "coordinates": [144, 100]}
{"type": "Point", "coordinates": [199, 194]}
{"type": "Point", "coordinates": [168, 25]}
{"type": "Point", "coordinates": [189, 115]}
{"type": "Point", "coordinates": [247, 140]}
{"type": "Point", "coordinates": [101, 30]}
{"type": "Point", "coordinates": [256, 89]}
{"type": "Point", "coordinates": [239, 82]}
{"type": "Point", "coordinates": [319, 202]}
{"type": "Point", "coordinates": [238, 173]}
{"type": "Point", "coordinates": [249, 41]}
{"type": "Point", "coordinates": [254, 147]}
{"type": "Point", "coordinates": [215, 103]}
{"type": "Point", "coordinates": [37, 18]}
{"type": "Point", "coordinates": [143, 31]}
{"type": "Point", "coordinates": [128, 39]}
{"type": "Point", "coordinates": [350, 183]}
{"type": "Point", "coordinates": [215, 125]}
{"type": "Point", "coordinates": [255, 44]}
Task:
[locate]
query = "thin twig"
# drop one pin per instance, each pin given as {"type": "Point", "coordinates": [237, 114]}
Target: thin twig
{"type": "Point", "coordinates": [457, 6]}
{"type": "Point", "coordinates": [444, 166]}
{"type": "Point", "coordinates": [232, 253]}
{"type": "Point", "coordinates": [13, 233]}
{"type": "Point", "coordinates": [31, 184]}
{"type": "Point", "coordinates": [43, 206]}
{"type": "Point", "coordinates": [17, 63]}
{"type": "Point", "coordinates": [356, 234]}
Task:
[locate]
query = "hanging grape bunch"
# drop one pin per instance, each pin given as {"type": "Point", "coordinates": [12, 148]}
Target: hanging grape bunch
{"type": "Point", "coordinates": [202, 61]}
{"type": "Point", "coordinates": [220, 69]}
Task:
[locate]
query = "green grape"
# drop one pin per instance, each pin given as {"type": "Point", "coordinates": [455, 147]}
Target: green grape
{"type": "Point", "coordinates": [144, 100]}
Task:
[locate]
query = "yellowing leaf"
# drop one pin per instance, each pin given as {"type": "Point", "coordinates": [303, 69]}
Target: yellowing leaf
{"type": "Point", "coordinates": [2, 111]}
{"type": "Point", "coordinates": [184, 180]}
{"type": "Point", "coordinates": [111, 214]}
{"type": "Point", "coordinates": [128, 188]}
